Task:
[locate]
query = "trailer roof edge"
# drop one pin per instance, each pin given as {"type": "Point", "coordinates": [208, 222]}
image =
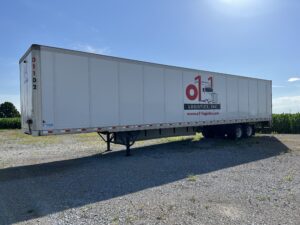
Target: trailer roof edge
{"type": "Point", "coordinates": [32, 47]}
{"type": "Point", "coordinates": [38, 47]}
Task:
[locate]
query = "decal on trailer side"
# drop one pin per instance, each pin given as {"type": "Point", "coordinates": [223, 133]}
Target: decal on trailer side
{"type": "Point", "coordinates": [200, 95]}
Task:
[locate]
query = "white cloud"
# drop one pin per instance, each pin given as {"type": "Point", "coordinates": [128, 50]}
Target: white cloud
{"type": "Point", "coordinates": [91, 49]}
{"type": "Point", "coordinates": [293, 79]}
{"type": "Point", "coordinates": [286, 104]}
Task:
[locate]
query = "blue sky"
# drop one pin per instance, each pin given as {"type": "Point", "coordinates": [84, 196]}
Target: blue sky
{"type": "Point", "coordinates": [246, 37]}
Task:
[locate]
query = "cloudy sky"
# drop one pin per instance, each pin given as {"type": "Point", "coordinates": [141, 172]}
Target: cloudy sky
{"type": "Point", "coordinates": [246, 37]}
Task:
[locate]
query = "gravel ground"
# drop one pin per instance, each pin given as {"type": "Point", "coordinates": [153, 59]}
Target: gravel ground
{"type": "Point", "coordinates": [65, 180]}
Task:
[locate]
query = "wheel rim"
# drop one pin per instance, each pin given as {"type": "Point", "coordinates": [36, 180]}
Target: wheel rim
{"type": "Point", "coordinates": [249, 131]}
{"type": "Point", "coordinates": [238, 132]}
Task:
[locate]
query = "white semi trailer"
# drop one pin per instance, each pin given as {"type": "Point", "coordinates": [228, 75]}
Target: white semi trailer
{"type": "Point", "coordinates": [65, 91]}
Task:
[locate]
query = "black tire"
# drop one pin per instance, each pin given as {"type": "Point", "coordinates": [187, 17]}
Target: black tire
{"type": "Point", "coordinates": [235, 132]}
{"type": "Point", "coordinates": [247, 131]}
{"type": "Point", "coordinates": [208, 132]}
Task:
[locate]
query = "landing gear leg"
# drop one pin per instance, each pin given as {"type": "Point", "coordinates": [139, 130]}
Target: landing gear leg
{"type": "Point", "coordinates": [126, 138]}
{"type": "Point", "coordinates": [108, 139]}
{"type": "Point", "coordinates": [128, 146]}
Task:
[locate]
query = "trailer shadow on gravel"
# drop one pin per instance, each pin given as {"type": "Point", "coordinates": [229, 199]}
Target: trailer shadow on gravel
{"type": "Point", "coordinates": [34, 191]}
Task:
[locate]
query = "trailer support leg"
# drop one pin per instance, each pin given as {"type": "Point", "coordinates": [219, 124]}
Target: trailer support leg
{"type": "Point", "coordinates": [108, 140]}
{"type": "Point", "coordinates": [127, 146]}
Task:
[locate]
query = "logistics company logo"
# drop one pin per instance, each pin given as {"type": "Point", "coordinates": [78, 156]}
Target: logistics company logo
{"type": "Point", "coordinates": [202, 92]}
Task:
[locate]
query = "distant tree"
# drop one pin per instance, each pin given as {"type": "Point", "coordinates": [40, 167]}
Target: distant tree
{"type": "Point", "coordinates": [8, 110]}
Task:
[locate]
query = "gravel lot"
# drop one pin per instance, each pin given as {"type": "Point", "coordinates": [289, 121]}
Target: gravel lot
{"type": "Point", "coordinates": [65, 180]}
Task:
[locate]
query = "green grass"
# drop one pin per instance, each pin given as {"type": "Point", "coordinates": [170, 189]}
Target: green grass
{"type": "Point", "coordinates": [263, 198]}
{"type": "Point", "coordinates": [176, 138]}
{"type": "Point", "coordinates": [192, 178]}
{"type": "Point", "coordinates": [197, 137]}
{"type": "Point", "coordinates": [19, 137]}
{"type": "Point", "coordinates": [16, 137]}
{"type": "Point", "coordinates": [116, 220]}
{"type": "Point", "coordinates": [87, 137]}
{"type": "Point", "coordinates": [289, 177]}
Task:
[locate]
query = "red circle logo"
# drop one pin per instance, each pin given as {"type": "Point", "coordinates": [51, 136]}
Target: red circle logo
{"type": "Point", "coordinates": [191, 92]}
